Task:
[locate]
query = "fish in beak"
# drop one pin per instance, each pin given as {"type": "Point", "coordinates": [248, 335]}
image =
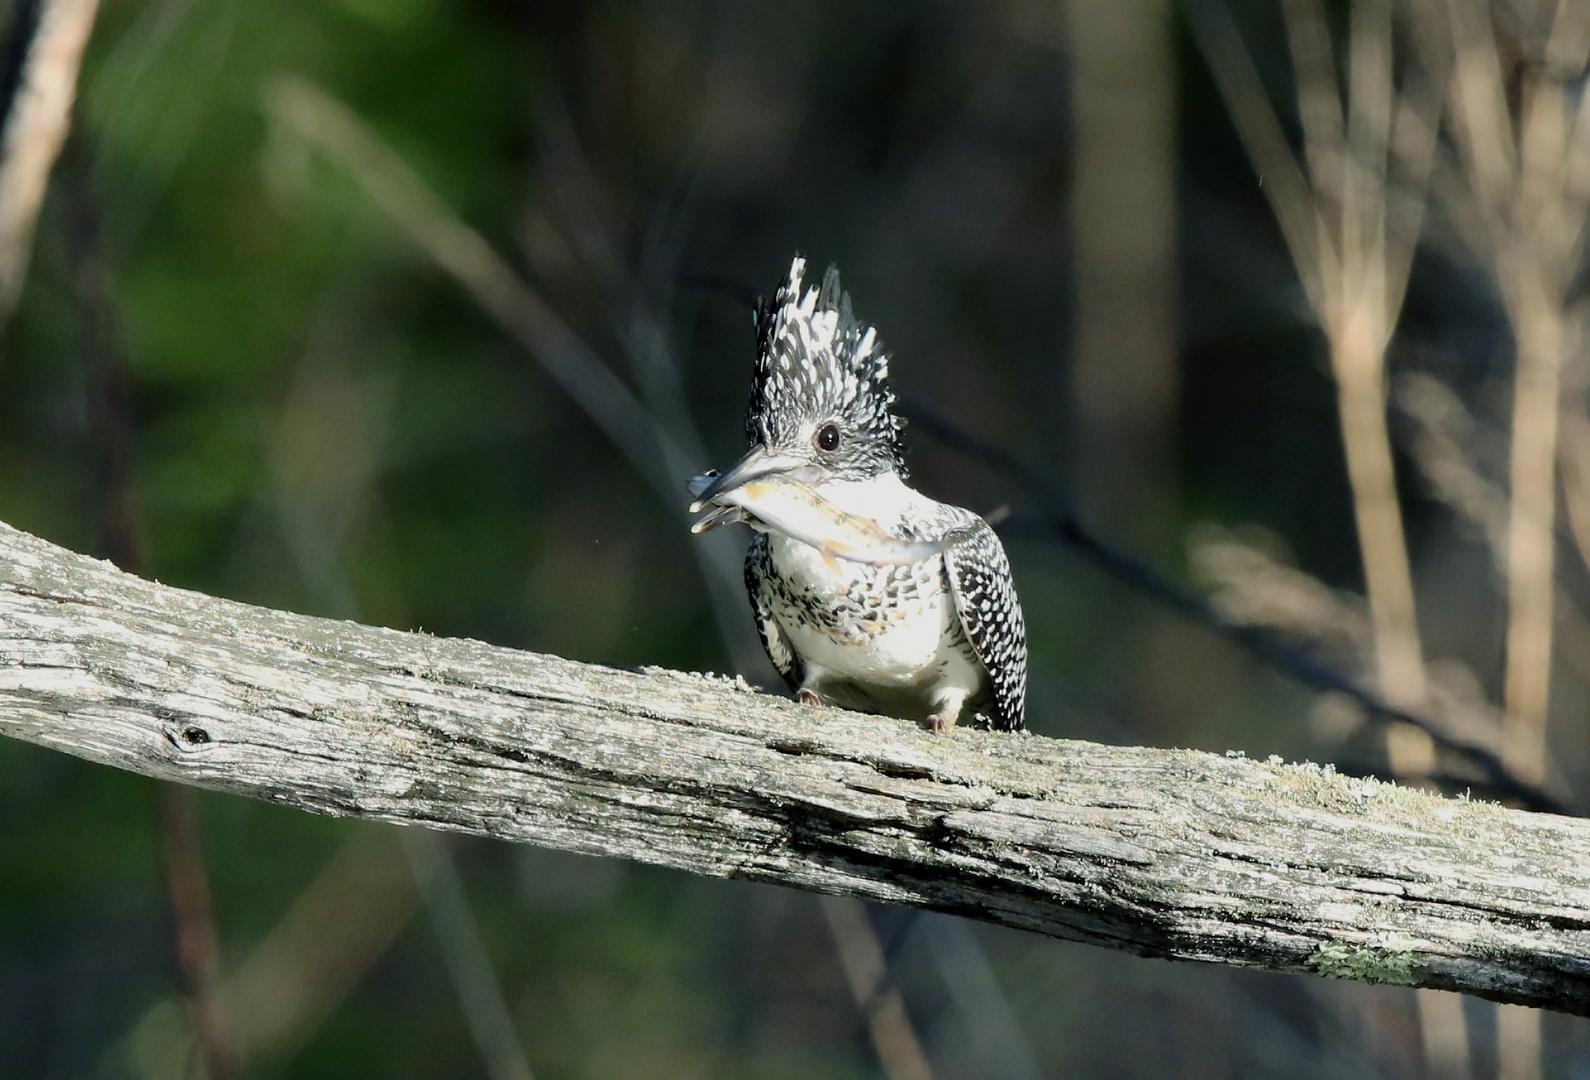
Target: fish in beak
{"type": "Point", "coordinates": [775, 499]}
{"type": "Point", "coordinates": [759, 462]}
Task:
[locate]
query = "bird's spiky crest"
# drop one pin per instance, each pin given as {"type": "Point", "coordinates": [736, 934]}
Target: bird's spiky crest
{"type": "Point", "coordinates": [815, 362]}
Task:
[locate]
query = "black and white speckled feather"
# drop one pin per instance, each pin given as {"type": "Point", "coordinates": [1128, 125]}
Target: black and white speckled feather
{"type": "Point", "coordinates": [775, 642]}
{"type": "Point", "coordinates": [936, 640]}
{"type": "Point", "coordinates": [816, 362]}
{"type": "Point", "coordinates": [985, 599]}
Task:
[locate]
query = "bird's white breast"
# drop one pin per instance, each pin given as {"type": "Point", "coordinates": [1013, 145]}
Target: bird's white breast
{"type": "Point", "coordinates": [890, 640]}
{"type": "Point", "coordinates": [892, 626]}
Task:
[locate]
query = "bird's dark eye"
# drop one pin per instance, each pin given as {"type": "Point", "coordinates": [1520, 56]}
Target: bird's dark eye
{"type": "Point", "coordinates": [828, 437]}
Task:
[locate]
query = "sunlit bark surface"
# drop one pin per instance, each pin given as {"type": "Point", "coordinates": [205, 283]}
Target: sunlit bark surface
{"type": "Point", "coordinates": [1159, 852]}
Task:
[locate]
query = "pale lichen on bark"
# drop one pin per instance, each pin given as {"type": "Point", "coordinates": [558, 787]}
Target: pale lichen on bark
{"type": "Point", "coordinates": [1392, 960]}
{"type": "Point", "coordinates": [1170, 853]}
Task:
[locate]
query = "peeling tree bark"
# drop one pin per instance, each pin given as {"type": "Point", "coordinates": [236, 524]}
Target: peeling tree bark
{"type": "Point", "coordinates": [1159, 852]}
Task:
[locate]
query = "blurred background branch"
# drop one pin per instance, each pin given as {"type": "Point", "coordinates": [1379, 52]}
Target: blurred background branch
{"type": "Point", "coordinates": [880, 1003]}
{"type": "Point", "coordinates": [1254, 604]}
{"type": "Point", "coordinates": [467, 960]}
{"type": "Point", "coordinates": [40, 85]}
{"type": "Point", "coordinates": [283, 988]}
{"type": "Point", "coordinates": [654, 451]}
{"type": "Point", "coordinates": [498, 289]}
{"type": "Point", "coordinates": [121, 528]}
{"type": "Point", "coordinates": [1353, 255]}
{"type": "Point", "coordinates": [1053, 220]}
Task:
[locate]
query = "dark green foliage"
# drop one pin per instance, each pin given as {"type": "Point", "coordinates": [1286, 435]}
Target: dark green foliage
{"type": "Point", "coordinates": [324, 421]}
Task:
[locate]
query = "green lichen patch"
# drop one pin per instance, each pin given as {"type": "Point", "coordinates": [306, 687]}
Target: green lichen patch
{"type": "Point", "coordinates": [1310, 784]}
{"type": "Point", "coordinates": [1389, 959]}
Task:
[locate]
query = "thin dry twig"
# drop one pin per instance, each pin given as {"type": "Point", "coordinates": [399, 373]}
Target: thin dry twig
{"type": "Point", "coordinates": [1253, 586]}
{"type": "Point", "coordinates": [330, 127]}
{"type": "Point", "coordinates": [316, 497]}
{"type": "Point", "coordinates": [971, 982]}
{"type": "Point", "coordinates": [1284, 182]}
{"type": "Point", "coordinates": [1525, 189]}
{"type": "Point", "coordinates": [35, 131]}
{"type": "Point", "coordinates": [1441, 451]}
{"type": "Point", "coordinates": [651, 449]}
{"type": "Point", "coordinates": [866, 971]}
{"type": "Point", "coordinates": [635, 300]}
{"type": "Point", "coordinates": [487, 1013]}
{"type": "Point", "coordinates": [198, 946]}
{"type": "Point", "coordinates": [1056, 521]}
{"type": "Point", "coordinates": [1573, 459]}
{"type": "Point", "coordinates": [1356, 280]}
{"type": "Point", "coordinates": [110, 422]}
{"type": "Point", "coordinates": [337, 928]}
{"type": "Point", "coordinates": [1518, 1043]}
{"type": "Point", "coordinates": [1530, 207]}
{"type": "Point", "coordinates": [1352, 255]}
{"type": "Point", "coordinates": [1444, 1031]}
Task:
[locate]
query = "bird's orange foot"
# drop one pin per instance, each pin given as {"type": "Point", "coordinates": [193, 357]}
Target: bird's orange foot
{"type": "Point", "coordinates": [943, 721]}
{"type": "Point", "coordinates": [807, 697]}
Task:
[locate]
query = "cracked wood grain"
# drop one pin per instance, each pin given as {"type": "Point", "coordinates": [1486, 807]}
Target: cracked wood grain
{"type": "Point", "coordinates": [1165, 853]}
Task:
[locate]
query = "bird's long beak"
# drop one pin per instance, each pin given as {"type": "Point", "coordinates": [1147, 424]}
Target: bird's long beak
{"type": "Point", "coordinates": [759, 462]}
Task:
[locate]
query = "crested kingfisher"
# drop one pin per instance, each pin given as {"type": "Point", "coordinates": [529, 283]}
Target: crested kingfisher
{"type": "Point", "coordinates": [932, 640]}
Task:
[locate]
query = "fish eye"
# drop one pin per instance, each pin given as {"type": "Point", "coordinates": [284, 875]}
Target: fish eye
{"type": "Point", "coordinates": [828, 437]}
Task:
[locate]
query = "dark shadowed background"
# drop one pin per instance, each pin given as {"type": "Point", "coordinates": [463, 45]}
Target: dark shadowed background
{"type": "Point", "coordinates": [1050, 218]}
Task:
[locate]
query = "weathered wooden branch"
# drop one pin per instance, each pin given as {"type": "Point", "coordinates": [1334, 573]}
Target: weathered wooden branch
{"type": "Point", "coordinates": [1158, 852]}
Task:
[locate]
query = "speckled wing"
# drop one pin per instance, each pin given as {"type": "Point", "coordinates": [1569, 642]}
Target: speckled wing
{"type": "Point", "coordinates": [985, 599]}
{"type": "Point", "coordinates": [758, 570]}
